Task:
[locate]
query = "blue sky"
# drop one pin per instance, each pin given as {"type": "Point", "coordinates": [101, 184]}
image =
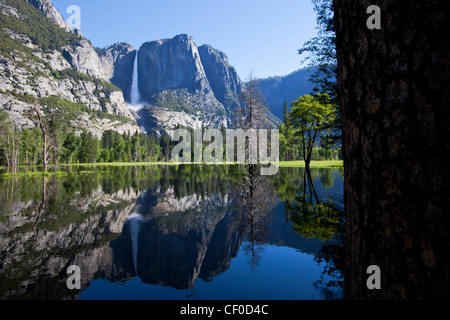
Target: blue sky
{"type": "Point", "coordinates": [261, 36]}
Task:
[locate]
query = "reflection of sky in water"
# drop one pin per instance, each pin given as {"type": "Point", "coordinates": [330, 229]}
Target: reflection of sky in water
{"type": "Point", "coordinates": [286, 267]}
{"type": "Point", "coordinates": [284, 273]}
{"type": "Point", "coordinates": [329, 184]}
{"type": "Point", "coordinates": [169, 233]}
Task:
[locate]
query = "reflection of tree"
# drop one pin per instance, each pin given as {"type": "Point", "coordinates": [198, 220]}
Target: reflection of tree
{"type": "Point", "coordinates": [326, 178]}
{"type": "Point", "coordinates": [58, 226]}
{"type": "Point", "coordinates": [313, 217]}
{"type": "Point", "coordinates": [47, 223]}
{"type": "Point", "coordinates": [40, 210]}
{"type": "Point", "coordinates": [331, 284]}
{"type": "Point", "coordinates": [252, 202]}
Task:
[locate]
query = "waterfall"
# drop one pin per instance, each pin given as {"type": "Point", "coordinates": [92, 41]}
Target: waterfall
{"type": "Point", "coordinates": [136, 220]}
{"type": "Point", "coordinates": [135, 96]}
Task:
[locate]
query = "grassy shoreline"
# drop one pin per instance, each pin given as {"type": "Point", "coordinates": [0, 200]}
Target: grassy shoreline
{"type": "Point", "coordinates": [313, 164]}
{"type": "Point", "coordinates": [281, 164]}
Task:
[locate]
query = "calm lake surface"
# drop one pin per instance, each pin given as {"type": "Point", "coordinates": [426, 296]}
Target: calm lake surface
{"type": "Point", "coordinates": [173, 232]}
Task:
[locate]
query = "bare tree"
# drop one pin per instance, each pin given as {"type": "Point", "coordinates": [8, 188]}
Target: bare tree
{"type": "Point", "coordinates": [41, 209]}
{"type": "Point", "coordinates": [253, 111]}
{"type": "Point", "coordinates": [44, 130]}
{"type": "Point", "coordinates": [252, 203]}
{"type": "Point", "coordinates": [254, 197]}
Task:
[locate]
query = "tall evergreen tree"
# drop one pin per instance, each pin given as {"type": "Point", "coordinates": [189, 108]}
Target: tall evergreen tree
{"type": "Point", "coordinates": [71, 147]}
{"type": "Point", "coordinates": [285, 113]}
{"type": "Point", "coordinates": [321, 50]}
{"type": "Point", "coordinates": [89, 149]}
{"type": "Point", "coordinates": [119, 150]}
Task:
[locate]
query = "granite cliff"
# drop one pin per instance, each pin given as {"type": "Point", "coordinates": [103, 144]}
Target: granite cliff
{"type": "Point", "coordinates": [47, 8]}
{"type": "Point", "coordinates": [179, 82]}
{"type": "Point", "coordinates": [117, 64]}
{"type": "Point", "coordinates": [174, 85]}
{"type": "Point", "coordinates": [45, 61]}
{"type": "Point", "coordinates": [223, 77]}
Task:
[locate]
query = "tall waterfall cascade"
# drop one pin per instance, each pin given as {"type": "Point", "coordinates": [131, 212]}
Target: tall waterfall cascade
{"type": "Point", "coordinates": [135, 96]}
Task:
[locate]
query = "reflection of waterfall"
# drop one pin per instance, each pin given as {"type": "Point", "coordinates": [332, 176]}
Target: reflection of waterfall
{"type": "Point", "coordinates": [135, 96]}
{"type": "Point", "coordinates": [136, 220]}
{"type": "Point", "coordinates": [136, 100]}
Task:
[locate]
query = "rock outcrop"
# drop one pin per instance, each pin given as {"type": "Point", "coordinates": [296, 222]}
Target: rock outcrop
{"type": "Point", "coordinates": [83, 58]}
{"type": "Point", "coordinates": [179, 83]}
{"type": "Point", "coordinates": [47, 8]}
{"type": "Point", "coordinates": [170, 64]}
{"type": "Point", "coordinates": [172, 78]}
{"type": "Point", "coordinates": [69, 77]}
{"type": "Point", "coordinates": [222, 77]}
{"type": "Point", "coordinates": [117, 64]}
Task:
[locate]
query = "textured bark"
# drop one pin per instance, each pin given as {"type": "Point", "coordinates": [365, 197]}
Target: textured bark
{"type": "Point", "coordinates": [394, 93]}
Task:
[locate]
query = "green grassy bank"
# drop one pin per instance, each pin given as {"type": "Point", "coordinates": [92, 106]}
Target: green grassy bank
{"type": "Point", "coordinates": [57, 172]}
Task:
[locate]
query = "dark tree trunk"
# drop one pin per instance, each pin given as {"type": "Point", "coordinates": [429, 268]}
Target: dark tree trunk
{"type": "Point", "coordinates": [394, 93]}
{"type": "Point", "coordinates": [45, 148]}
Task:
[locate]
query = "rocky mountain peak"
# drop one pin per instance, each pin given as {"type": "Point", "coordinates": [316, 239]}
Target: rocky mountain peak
{"type": "Point", "coordinates": [219, 55]}
{"type": "Point", "coordinates": [47, 8]}
{"type": "Point", "coordinates": [222, 77]}
{"type": "Point", "coordinates": [183, 38]}
{"type": "Point", "coordinates": [170, 64]}
{"type": "Point", "coordinates": [63, 73]}
{"type": "Point", "coordinates": [117, 64]}
{"type": "Point", "coordinates": [83, 57]}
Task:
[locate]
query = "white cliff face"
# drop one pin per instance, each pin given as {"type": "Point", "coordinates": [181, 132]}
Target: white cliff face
{"type": "Point", "coordinates": [74, 74]}
{"type": "Point", "coordinates": [117, 63]}
{"type": "Point", "coordinates": [222, 77]}
{"type": "Point", "coordinates": [173, 83]}
{"type": "Point", "coordinates": [171, 63]}
{"type": "Point", "coordinates": [83, 57]}
{"type": "Point", "coordinates": [47, 8]}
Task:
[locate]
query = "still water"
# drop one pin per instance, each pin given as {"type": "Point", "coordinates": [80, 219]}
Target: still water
{"type": "Point", "coordinates": [172, 232]}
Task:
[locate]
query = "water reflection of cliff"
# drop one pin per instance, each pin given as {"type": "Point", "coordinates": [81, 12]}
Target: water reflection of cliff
{"type": "Point", "coordinates": [167, 225]}
{"type": "Point", "coordinates": [51, 223]}
{"type": "Point", "coordinates": [175, 238]}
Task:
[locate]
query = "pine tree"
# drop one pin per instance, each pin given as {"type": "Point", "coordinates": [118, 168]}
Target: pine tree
{"type": "Point", "coordinates": [89, 150]}
{"type": "Point", "coordinates": [285, 113]}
